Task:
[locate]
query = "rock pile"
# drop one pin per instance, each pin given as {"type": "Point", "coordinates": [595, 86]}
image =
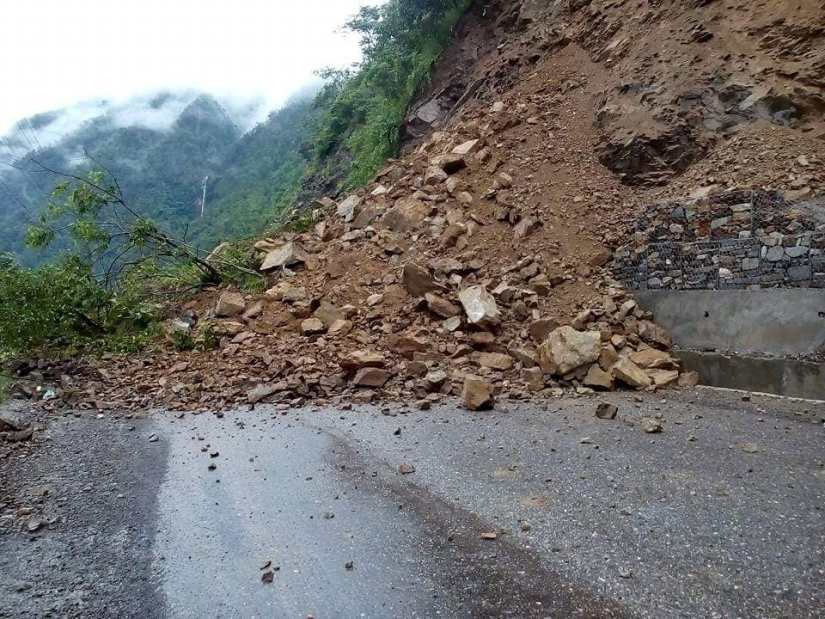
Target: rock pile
{"type": "Point", "coordinates": [477, 264]}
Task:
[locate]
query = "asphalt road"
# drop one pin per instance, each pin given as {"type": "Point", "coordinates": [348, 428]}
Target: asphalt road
{"type": "Point", "coordinates": [720, 515]}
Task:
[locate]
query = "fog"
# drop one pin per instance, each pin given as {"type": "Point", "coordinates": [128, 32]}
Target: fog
{"type": "Point", "coordinates": [88, 57]}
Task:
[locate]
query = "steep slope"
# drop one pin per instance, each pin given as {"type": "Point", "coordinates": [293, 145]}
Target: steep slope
{"type": "Point", "coordinates": [547, 129]}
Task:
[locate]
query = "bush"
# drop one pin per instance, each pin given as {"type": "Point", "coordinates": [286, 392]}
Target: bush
{"type": "Point", "coordinates": [62, 305]}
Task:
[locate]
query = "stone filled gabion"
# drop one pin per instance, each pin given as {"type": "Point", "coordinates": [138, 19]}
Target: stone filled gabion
{"type": "Point", "coordinates": [738, 239]}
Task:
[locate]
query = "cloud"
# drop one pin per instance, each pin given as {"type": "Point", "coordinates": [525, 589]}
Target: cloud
{"type": "Point", "coordinates": [57, 53]}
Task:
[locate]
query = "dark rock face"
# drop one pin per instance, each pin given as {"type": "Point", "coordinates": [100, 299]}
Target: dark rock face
{"type": "Point", "coordinates": [642, 159]}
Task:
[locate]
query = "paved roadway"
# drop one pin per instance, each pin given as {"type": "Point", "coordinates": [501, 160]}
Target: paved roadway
{"type": "Point", "coordinates": [720, 515]}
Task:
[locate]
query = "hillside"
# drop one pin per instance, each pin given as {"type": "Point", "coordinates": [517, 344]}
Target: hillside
{"type": "Point", "coordinates": [544, 133]}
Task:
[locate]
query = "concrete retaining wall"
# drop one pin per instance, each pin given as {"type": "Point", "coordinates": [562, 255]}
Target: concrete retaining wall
{"type": "Point", "coordinates": [773, 322]}
{"type": "Point", "coordinates": [786, 377]}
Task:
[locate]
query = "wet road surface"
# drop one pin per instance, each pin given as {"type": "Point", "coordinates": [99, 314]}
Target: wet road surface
{"type": "Point", "coordinates": [721, 514]}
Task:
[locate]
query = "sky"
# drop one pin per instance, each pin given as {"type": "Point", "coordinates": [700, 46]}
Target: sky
{"type": "Point", "coordinates": [55, 53]}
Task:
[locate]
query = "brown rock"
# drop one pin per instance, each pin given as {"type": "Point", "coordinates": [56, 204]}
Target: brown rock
{"type": "Point", "coordinates": [312, 326]}
{"type": "Point", "coordinates": [230, 304]}
{"type": "Point", "coordinates": [651, 358]}
{"type": "Point", "coordinates": [534, 378]}
{"type": "Point", "coordinates": [608, 357]}
{"type": "Point", "coordinates": [263, 391]}
{"type": "Point", "coordinates": [362, 359]}
{"type": "Point", "coordinates": [417, 280]}
{"type": "Point", "coordinates": [654, 334]}
{"type": "Point", "coordinates": [286, 292]}
{"type": "Point", "coordinates": [482, 339]}
{"type": "Point", "coordinates": [631, 374]}
{"type": "Point", "coordinates": [435, 175]}
{"type": "Point", "coordinates": [340, 326]}
{"type": "Point", "coordinates": [527, 357]}
{"type": "Point", "coordinates": [328, 313]}
{"type": "Point", "coordinates": [495, 360]}
{"type": "Point", "coordinates": [371, 377]}
{"type": "Point", "coordinates": [581, 320]}
{"type": "Point", "coordinates": [440, 306]}
{"type": "Point", "coordinates": [663, 378]}
{"type": "Point", "coordinates": [601, 258]}
{"type": "Point", "coordinates": [525, 227]}
{"type": "Point", "coordinates": [477, 393]}
{"type": "Point", "coordinates": [598, 378]}
{"type": "Point", "coordinates": [466, 148]}
{"type": "Point", "coordinates": [451, 163]}
{"type": "Point", "coordinates": [435, 379]}
{"type": "Point", "coordinates": [407, 346]}
{"type": "Point", "coordinates": [566, 349]}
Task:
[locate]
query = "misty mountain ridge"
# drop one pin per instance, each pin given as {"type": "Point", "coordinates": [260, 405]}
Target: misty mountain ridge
{"type": "Point", "coordinates": [160, 147]}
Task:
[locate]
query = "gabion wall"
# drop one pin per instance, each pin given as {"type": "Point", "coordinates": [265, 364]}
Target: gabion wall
{"type": "Point", "coordinates": [739, 239]}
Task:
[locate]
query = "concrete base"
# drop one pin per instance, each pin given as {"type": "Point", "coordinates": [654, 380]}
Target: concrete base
{"type": "Point", "coordinates": [772, 322]}
{"type": "Point", "coordinates": [788, 377]}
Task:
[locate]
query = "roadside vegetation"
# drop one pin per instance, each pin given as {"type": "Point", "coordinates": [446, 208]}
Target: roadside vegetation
{"type": "Point", "coordinates": [117, 268]}
{"type": "Point", "coordinates": [366, 106]}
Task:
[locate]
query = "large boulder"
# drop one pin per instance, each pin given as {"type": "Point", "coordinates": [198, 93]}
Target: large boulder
{"type": "Point", "coordinates": [480, 306]}
{"type": "Point", "coordinates": [566, 349]}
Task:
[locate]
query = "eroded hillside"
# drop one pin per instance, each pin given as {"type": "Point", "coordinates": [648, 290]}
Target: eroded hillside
{"type": "Point", "coordinates": [546, 129]}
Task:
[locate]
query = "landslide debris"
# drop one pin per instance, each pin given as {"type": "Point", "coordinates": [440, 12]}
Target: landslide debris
{"type": "Point", "coordinates": [477, 264]}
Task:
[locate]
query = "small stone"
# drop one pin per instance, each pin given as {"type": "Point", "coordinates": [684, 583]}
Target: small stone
{"type": "Point", "coordinates": [406, 469]}
{"type": "Point", "coordinates": [312, 326]}
{"type": "Point", "coordinates": [650, 425]}
{"type": "Point", "coordinates": [605, 410]}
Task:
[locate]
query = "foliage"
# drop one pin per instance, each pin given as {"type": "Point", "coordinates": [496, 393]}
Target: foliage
{"type": "Point", "coordinates": [400, 40]}
{"type": "Point", "coordinates": [63, 305]}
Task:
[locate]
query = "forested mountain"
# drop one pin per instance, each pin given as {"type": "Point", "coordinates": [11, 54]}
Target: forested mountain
{"type": "Point", "coordinates": [160, 153]}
